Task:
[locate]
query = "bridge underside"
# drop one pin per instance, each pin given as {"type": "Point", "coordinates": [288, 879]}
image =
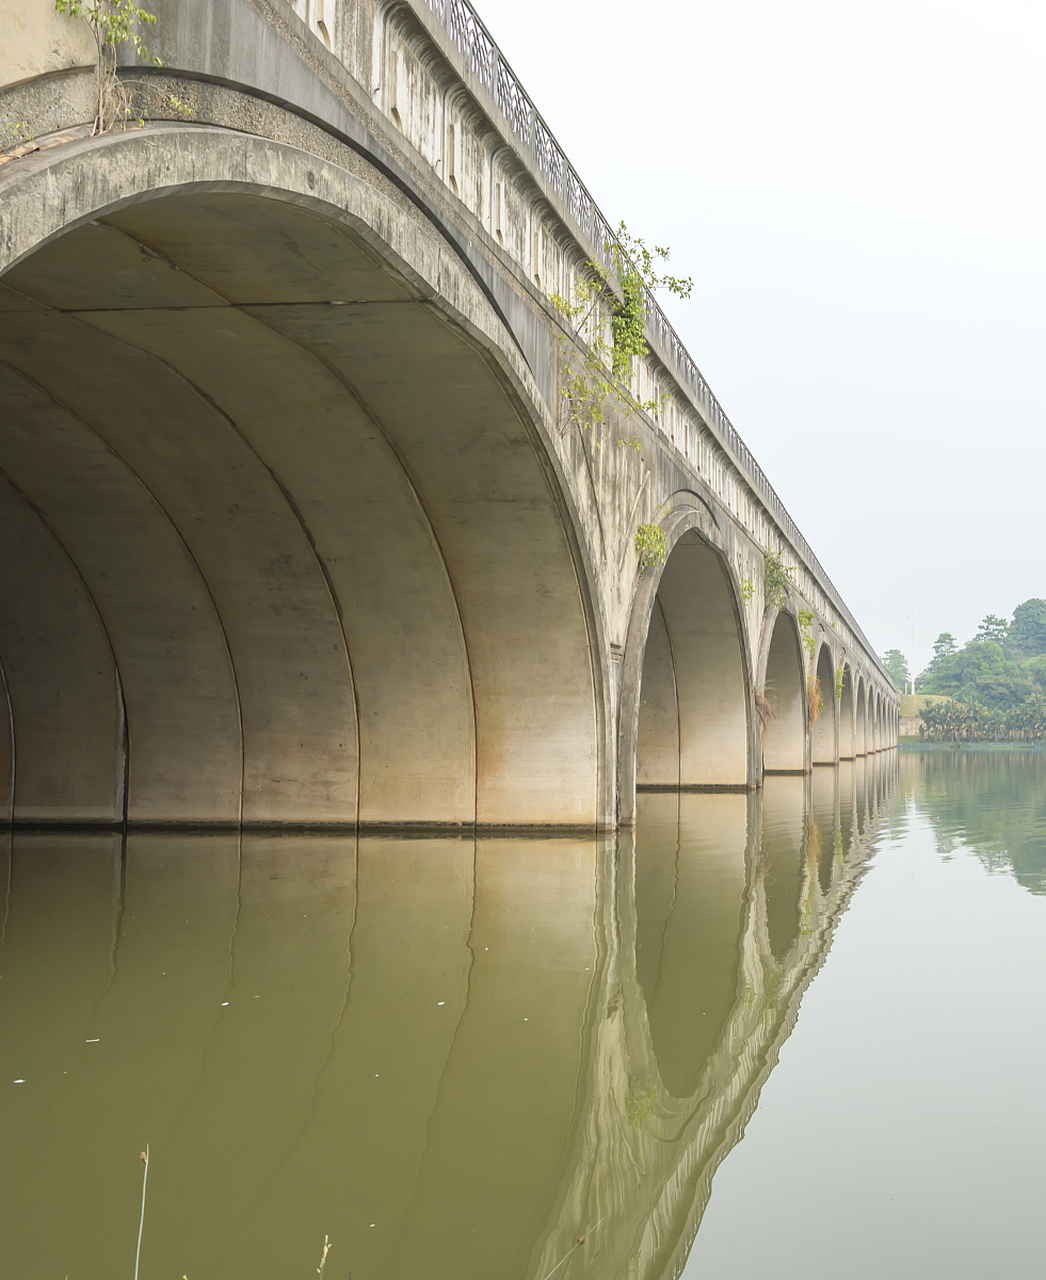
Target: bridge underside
{"type": "Point", "coordinates": [279, 546]}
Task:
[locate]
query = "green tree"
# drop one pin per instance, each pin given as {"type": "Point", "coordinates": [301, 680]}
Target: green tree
{"type": "Point", "coordinates": [982, 672]}
{"type": "Point", "coordinates": [1036, 670]}
{"type": "Point", "coordinates": [992, 628]}
{"type": "Point", "coordinates": [897, 665]}
{"type": "Point", "coordinates": [1027, 632]}
{"type": "Point", "coordinates": [1002, 670]}
{"type": "Point", "coordinates": [943, 649]}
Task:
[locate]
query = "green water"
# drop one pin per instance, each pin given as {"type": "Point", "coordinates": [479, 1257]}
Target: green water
{"type": "Point", "coordinates": [453, 1057]}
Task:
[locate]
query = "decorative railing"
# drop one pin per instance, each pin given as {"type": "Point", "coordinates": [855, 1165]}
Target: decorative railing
{"type": "Point", "coordinates": [484, 59]}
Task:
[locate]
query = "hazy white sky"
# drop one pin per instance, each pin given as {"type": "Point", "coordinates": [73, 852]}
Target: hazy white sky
{"type": "Point", "coordinates": [860, 196]}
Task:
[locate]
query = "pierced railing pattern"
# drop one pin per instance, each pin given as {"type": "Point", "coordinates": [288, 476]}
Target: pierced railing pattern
{"type": "Point", "coordinates": [484, 59]}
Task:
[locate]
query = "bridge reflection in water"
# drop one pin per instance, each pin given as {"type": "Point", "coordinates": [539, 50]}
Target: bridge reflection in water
{"type": "Point", "coordinates": [451, 1056]}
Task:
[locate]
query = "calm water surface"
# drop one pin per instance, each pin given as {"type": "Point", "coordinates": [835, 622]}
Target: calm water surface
{"type": "Point", "coordinates": [455, 1057]}
{"type": "Point", "coordinates": [903, 1132]}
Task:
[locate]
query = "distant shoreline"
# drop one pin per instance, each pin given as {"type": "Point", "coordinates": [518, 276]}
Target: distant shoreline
{"type": "Point", "coordinates": [914, 744]}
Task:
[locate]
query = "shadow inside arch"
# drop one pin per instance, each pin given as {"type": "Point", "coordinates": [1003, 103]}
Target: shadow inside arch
{"type": "Point", "coordinates": [692, 722]}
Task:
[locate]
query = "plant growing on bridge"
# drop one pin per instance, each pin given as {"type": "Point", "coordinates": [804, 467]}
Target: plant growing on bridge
{"type": "Point", "coordinates": [16, 140]}
{"type": "Point", "coordinates": [637, 268]}
{"type": "Point", "coordinates": [777, 580]}
{"type": "Point", "coordinates": [815, 700]}
{"type": "Point", "coordinates": [112, 23]}
{"type": "Point", "coordinates": [651, 545]}
{"type": "Point", "coordinates": [806, 631]}
{"type": "Point", "coordinates": [840, 679]}
{"type": "Point", "coordinates": [747, 590]}
{"type": "Point", "coordinates": [599, 377]}
{"type": "Point", "coordinates": [20, 131]}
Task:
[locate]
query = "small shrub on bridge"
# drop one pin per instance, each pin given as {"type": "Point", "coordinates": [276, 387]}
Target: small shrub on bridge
{"type": "Point", "coordinates": [777, 580]}
{"type": "Point", "coordinates": [112, 23]}
{"type": "Point", "coordinates": [651, 545]}
{"type": "Point", "coordinates": [806, 630]}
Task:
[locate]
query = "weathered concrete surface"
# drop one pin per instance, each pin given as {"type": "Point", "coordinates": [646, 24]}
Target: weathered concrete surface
{"type": "Point", "coordinates": [299, 529]}
{"type": "Point", "coordinates": [38, 41]}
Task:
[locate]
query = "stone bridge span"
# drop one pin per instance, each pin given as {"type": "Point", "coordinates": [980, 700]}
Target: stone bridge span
{"type": "Point", "coordinates": [295, 526]}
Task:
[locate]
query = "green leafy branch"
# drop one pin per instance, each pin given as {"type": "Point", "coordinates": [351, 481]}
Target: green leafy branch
{"type": "Point", "coordinates": [637, 268]}
{"type": "Point", "coordinates": [651, 545]}
{"type": "Point", "coordinates": [599, 377]}
{"type": "Point", "coordinates": [778, 580]}
{"type": "Point", "coordinates": [20, 131]}
{"type": "Point", "coordinates": [113, 23]}
{"type": "Point", "coordinates": [806, 623]}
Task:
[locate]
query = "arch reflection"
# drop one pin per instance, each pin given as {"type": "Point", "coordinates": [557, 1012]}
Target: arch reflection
{"type": "Point", "coordinates": [690, 887]}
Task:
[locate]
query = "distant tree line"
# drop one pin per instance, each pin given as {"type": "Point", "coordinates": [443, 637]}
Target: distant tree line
{"type": "Point", "coordinates": [997, 681]}
{"type": "Point", "coordinates": [970, 722]}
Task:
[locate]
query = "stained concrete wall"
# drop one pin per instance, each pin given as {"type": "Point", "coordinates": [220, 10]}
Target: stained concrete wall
{"type": "Point", "coordinates": [38, 41]}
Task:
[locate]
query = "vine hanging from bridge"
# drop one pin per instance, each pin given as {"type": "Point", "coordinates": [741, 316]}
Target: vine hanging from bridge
{"type": "Point", "coordinates": [599, 375]}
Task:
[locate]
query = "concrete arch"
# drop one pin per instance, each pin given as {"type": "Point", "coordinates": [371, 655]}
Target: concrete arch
{"type": "Point", "coordinates": [299, 466]}
{"type": "Point", "coordinates": [685, 701]}
{"type": "Point", "coordinates": [847, 716]}
{"type": "Point", "coordinates": [824, 727]}
{"type": "Point", "coordinates": [861, 718]}
{"type": "Point", "coordinates": [784, 728]}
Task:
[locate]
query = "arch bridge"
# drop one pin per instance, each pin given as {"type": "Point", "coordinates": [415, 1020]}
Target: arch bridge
{"type": "Point", "coordinates": [298, 526]}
